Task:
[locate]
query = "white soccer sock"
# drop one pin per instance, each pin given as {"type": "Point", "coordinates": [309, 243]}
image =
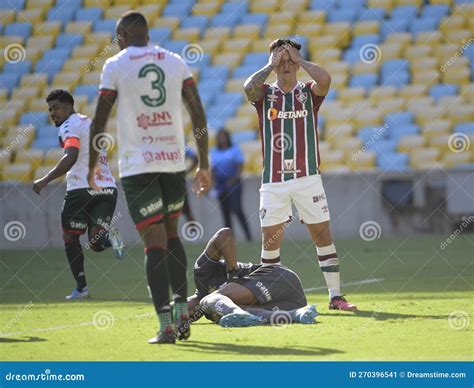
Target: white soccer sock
{"type": "Point", "coordinates": [271, 257]}
{"type": "Point", "coordinates": [329, 264]}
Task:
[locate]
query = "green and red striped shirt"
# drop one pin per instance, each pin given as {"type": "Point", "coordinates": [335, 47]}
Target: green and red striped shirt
{"type": "Point", "coordinates": [288, 132]}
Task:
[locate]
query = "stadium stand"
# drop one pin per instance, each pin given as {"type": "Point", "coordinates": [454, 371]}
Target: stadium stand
{"type": "Point", "coordinates": [402, 72]}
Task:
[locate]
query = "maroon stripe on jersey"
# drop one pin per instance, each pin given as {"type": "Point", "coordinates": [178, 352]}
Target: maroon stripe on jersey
{"type": "Point", "coordinates": [277, 163]}
{"type": "Point", "coordinates": [300, 140]}
{"type": "Point", "coordinates": [317, 101]}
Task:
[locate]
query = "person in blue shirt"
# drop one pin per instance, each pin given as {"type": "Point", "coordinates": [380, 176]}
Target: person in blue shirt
{"type": "Point", "coordinates": [226, 162]}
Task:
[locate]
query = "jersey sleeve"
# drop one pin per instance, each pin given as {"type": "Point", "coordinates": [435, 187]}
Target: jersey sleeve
{"type": "Point", "coordinates": [108, 77]}
{"type": "Point", "coordinates": [246, 268]}
{"type": "Point", "coordinates": [70, 135]}
{"type": "Point", "coordinates": [186, 74]}
{"type": "Point", "coordinates": [317, 100]}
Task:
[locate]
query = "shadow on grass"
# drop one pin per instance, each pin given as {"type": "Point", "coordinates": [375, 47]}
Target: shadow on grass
{"type": "Point", "coordinates": [225, 348]}
{"type": "Point", "coordinates": [4, 340]}
{"type": "Point", "coordinates": [381, 315]}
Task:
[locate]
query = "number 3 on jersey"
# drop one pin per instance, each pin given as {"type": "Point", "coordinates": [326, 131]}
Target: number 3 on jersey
{"type": "Point", "coordinates": [157, 84]}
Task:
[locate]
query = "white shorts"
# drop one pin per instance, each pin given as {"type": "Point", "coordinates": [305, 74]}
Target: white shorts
{"type": "Point", "coordinates": [306, 193]}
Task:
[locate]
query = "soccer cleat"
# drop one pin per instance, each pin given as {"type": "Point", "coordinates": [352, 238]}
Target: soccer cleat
{"type": "Point", "coordinates": [183, 328]}
{"type": "Point", "coordinates": [116, 242]}
{"type": "Point", "coordinates": [164, 337]}
{"type": "Point", "coordinates": [79, 295]}
{"type": "Point", "coordinates": [340, 303]}
{"type": "Point", "coordinates": [241, 320]}
{"type": "Point", "coordinates": [306, 315]}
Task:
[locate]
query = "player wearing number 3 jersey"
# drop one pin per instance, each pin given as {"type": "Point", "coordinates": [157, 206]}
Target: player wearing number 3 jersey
{"type": "Point", "coordinates": [150, 85]}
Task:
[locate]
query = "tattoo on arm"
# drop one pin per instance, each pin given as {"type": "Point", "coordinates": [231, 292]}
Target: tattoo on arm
{"type": "Point", "coordinates": [253, 84]}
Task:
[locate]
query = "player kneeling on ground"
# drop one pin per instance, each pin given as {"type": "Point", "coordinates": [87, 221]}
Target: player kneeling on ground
{"type": "Point", "coordinates": [83, 208]}
{"type": "Point", "coordinates": [238, 294]}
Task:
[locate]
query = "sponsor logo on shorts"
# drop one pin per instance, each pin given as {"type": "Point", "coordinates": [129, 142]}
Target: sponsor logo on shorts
{"type": "Point", "coordinates": [264, 291]}
{"type": "Point", "coordinates": [175, 206]}
{"type": "Point", "coordinates": [101, 192]}
{"type": "Point", "coordinates": [77, 225]}
{"type": "Point", "coordinates": [273, 114]}
{"type": "Point", "coordinates": [319, 197]}
{"type": "Point", "coordinates": [151, 208]}
{"type": "Point", "coordinates": [263, 212]}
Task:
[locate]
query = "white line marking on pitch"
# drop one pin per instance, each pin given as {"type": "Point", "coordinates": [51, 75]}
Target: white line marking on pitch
{"type": "Point", "coordinates": [366, 281]}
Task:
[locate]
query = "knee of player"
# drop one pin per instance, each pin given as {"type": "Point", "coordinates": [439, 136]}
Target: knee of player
{"type": "Point", "coordinates": [70, 238]}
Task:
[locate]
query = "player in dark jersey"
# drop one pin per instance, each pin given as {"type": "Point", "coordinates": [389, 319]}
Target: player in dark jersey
{"type": "Point", "coordinates": [288, 115]}
{"type": "Point", "coordinates": [239, 294]}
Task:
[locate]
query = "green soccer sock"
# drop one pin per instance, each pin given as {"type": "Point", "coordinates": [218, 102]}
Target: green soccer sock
{"type": "Point", "coordinates": [180, 309]}
{"type": "Point", "coordinates": [166, 320]}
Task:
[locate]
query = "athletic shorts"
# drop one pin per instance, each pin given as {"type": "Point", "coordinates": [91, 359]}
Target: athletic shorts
{"type": "Point", "coordinates": [275, 287]}
{"type": "Point", "coordinates": [306, 193]}
{"type": "Point", "coordinates": [154, 197]}
{"type": "Point", "coordinates": [83, 208]}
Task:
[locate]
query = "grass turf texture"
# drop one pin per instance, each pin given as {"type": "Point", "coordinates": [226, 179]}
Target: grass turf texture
{"type": "Point", "coordinates": [403, 317]}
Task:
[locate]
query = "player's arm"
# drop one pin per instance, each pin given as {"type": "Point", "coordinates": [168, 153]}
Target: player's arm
{"type": "Point", "coordinates": [253, 84]}
{"type": "Point", "coordinates": [317, 73]}
{"type": "Point", "coordinates": [193, 105]}
{"type": "Point", "coordinates": [222, 245]}
{"type": "Point", "coordinates": [102, 112]}
{"type": "Point", "coordinates": [68, 160]}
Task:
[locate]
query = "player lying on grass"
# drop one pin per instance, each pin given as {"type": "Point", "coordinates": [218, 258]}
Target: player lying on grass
{"type": "Point", "coordinates": [84, 209]}
{"type": "Point", "coordinates": [236, 294]}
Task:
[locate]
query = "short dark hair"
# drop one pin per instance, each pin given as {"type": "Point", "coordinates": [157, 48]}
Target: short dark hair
{"type": "Point", "coordinates": [282, 42]}
{"type": "Point", "coordinates": [131, 19]}
{"type": "Point", "coordinates": [61, 95]}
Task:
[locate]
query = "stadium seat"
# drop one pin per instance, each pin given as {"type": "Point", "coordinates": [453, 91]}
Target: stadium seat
{"type": "Point", "coordinates": [9, 81]}
{"type": "Point", "coordinates": [18, 29]}
{"type": "Point", "coordinates": [392, 161]}
{"type": "Point", "coordinates": [88, 14]}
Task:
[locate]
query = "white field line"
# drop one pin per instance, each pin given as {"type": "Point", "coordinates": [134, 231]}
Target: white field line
{"type": "Point", "coordinates": [366, 281]}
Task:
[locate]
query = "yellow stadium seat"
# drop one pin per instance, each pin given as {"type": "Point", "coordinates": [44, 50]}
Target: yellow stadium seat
{"type": "Point", "coordinates": [444, 52]}
{"type": "Point", "coordinates": [339, 81]}
{"type": "Point", "coordinates": [365, 68]}
{"type": "Point", "coordinates": [100, 38]}
{"type": "Point", "coordinates": [424, 158]}
{"type": "Point", "coordinates": [411, 143]}
{"type": "Point", "coordinates": [381, 93]}
{"type": "Point", "coordinates": [322, 42]}
{"type": "Point", "coordinates": [7, 16]}
{"type": "Point", "coordinates": [417, 103]}
{"type": "Point", "coordinates": [446, 102]}
{"type": "Point", "coordinates": [247, 31]}
{"type": "Point", "coordinates": [33, 54]}
{"type": "Point", "coordinates": [450, 23]}
{"type": "Point", "coordinates": [7, 40]}
{"type": "Point", "coordinates": [350, 95]}
{"type": "Point", "coordinates": [86, 52]}
{"type": "Point", "coordinates": [8, 116]}
{"type": "Point", "coordinates": [311, 30]}
{"type": "Point", "coordinates": [47, 28]}
{"type": "Point", "coordinates": [44, 42]}
{"type": "Point", "coordinates": [366, 28]}
{"type": "Point", "coordinates": [460, 37]}
{"type": "Point", "coordinates": [41, 4]}
{"type": "Point", "coordinates": [341, 30]}
{"type": "Point", "coordinates": [18, 172]}
{"type": "Point", "coordinates": [236, 85]}
{"type": "Point", "coordinates": [458, 76]}
{"type": "Point", "coordinates": [220, 33]}
{"type": "Point", "coordinates": [425, 115]}
{"type": "Point", "coordinates": [324, 56]}
{"type": "Point", "coordinates": [31, 16]}
{"type": "Point", "coordinates": [78, 65]}
{"type": "Point", "coordinates": [236, 45]}
{"type": "Point", "coordinates": [369, 118]}
{"type": "Point", "coordinates": [349, 146]}
{"type": "Point", "coordinates": [78, 27]}
{"type": "Point", "coordinates": [237, 124]}
{"type": "Point", "coordinates": [115, 12]}
{"type": "Point", "coordinates": [385, 4]}
{"type": "Point", "coordinates": [284, 17]}
{"type": "Point", "coordinates": [427, 77]}
{"type": "Point", "coordinates": [151, 11]}
{"type": "Point", "coordinates": [421, 64]}
{"type": "Point", "coordinates": [228, 59]}
{"type": "Point", "coordinates": [71, 78]}
{"type": "Point", "coordinates": [416, 3]}
{"type": "Point", "coordinates": [332, 161]}
{"type": "Point", "coordinates": [447, 2]}
{"type": "Point", "coordinates": [294, 5]}
{"type": "Point", "coordinates": [417, 52]}
{"type": "Point", "coordinates": [264, 6]}
{"type": "Point", "coordinates": [20, 137]}
{"type": "Point", "coordinates": [206, 9]}
{"type": "Point", "coordinates": [391, 105]}
{"type": "Point", "coordinates": [132, 4]}
{"type": "Point", "coordinates": [168, 21]}
{"type": "Point", "coordinates": [260, 46]}
{"type": "Point", "coordinates": [411, 91]}
{"type": "Point", "coordinates": [402, 38]}
{"type": "Point", "coordinates": [210, 47]}
{"type": "Point", "coordinates": [431, 38]}
{"type": "Point", "coordinates": [316, 17]}
{"type": "Point", "coordinates": [362, 161]}
{"type": "Point", "coordinates": [338, 67]}
{"type": "Point", "coordinates": [460, 114]}
{"type": "Point", "coordinates": [3, 95]}
{"type": "Point", "coordinates": [441, 142]}
{"type": "Point", "coordinates": [390, 51]}
{"type": "Point", "coordinates": [97, 3]}
{"type": "Point", "coordinates": [35, 79]}
{"type": "Point", "coordinates": [91, 78]}
{"type": "Point", "coordinates": [278, 31]}
{"type": "Point", "coordinates": [467, 91]}
{"type": "Point", "coordinates": [190, 34]}
{"type": "Point", "coordinates": [32, 156]}
{"type": "Point", "coordinates": [25, 94]}
{"type": "Point", "coordinates": [453, 159]}
{"type": "Point", "coordinates": [336, 130]}
{"type": "Point", "coordinates": [336, 119]}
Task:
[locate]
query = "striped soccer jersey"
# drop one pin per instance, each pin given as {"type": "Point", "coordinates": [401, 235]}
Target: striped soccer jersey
{"type": "Point", "coordinates": [288, 132]}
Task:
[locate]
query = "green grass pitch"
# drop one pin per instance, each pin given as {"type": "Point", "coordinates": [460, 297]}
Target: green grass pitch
{"type": "Point", "coordinates": [418, 307]}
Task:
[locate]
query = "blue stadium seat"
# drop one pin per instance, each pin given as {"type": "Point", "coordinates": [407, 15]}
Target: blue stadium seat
{"type": "Point", "coordinates": [375, 14]}
{"type": "Point", "coordinates": [238, 7]}
{"type": "Point", "coordinates": [87, 90]}
{"type": "Point", "coordinates": [366, 81]}
{"type": "Point", "coordinates": [88, 14]}
{"type": "Point", "coordinates": [244, 136]}
{"type": "Point", "coordinates": [352, 55]}
{"type": "Point", "coordinates": [337, 15]}
{"type": "Point", "coordinates": [435, 10]}
{"type": "Point", "coordinates": [158, 35]}
{"type": "Point", "coordinates": [382, 146]}
{"type": "Point", "coordinates": [254, 18]}
{"type": "Point", "coordinates": [370, 134]}
{"type": "Point", "coordinates": [105, 25]}
{"type": "Point", "coordinates": [13, 4]}
{"type": "Point", "coordinates": [195, 22]}
{"type": "Point", "coordinates": [20, 68]}
{"type": "Point", "coordinates": [213, 86]}
{"type": "Point", "coordinates": [61, 14]}
{"type": "Point", "coordinates": [179, 10]}
{"type": "Point", "coordinates": [215, 123]}
{"type": "Point", "coordinates": [215, 72]}
{"type": "Point", "coordinates": [392, 120]}
{"type": "Point", "coordinates": [49, 66]}
{"type": "Point", "coordinates": [323, 5]}
{"type": "Point", "coordinates": [397, 80]}
{"type": "Point", "coordinates": [399, 131]}
{"type": "Point", "coordinates": [46, 131]}
{"type": "Point", "coordinates": [69, 39]}
{"type": "Point", "coordinates": [351, 3]}
{"type": "Point", "coordinates": [423, 25]}
{"type": "Point", "coordinates": [463, 1]}
{"type": "Point", "coordinates": [59, 53]}
{"type": "Point", "coordinates": [244, 71]}
{"type": "Point", "coordinates": [362, 40]}
{"type": "Point", "coordinates": [9, 81]}
{"type": "Point", "coordinates": [46, 143]}
{"type": "Point", "coordinates": [394, 66]}
{"type": "Point", "coordinates": [176, 46]}
{"type": "Point", "coordinates": [332, 95]}
{"type": "Point", "coordinates": [393, 161]}
{"type": "Point", "coordinates": [393, 26]}
{"type": "Point", "coordinates": [225, 19]}
{"type": "Point", "coordinates": [321, 121]}
{"type": "Point", "coordinates": [230, 99]}
{"type": "Point", "coordinates": [442, 90]}
{"type": "Point", "coordinates": [206, 98]}
{"type": "Point", "coordinates": [465, 127]}
{"type": "Point", "coordinates": [1, 27]}
{"type": "Point", "coordinates": [256, 59]}
{"type": "Point", "coordinates": [404, 12]}
{"type": "Point", "coordinates": [69, 4]}
{"type": "Point", "coordinates": [204, 61]}
{"type": "Point", "coordinates": [35, 118]}
{"type": "Point", "coordinates": [18, 29]}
